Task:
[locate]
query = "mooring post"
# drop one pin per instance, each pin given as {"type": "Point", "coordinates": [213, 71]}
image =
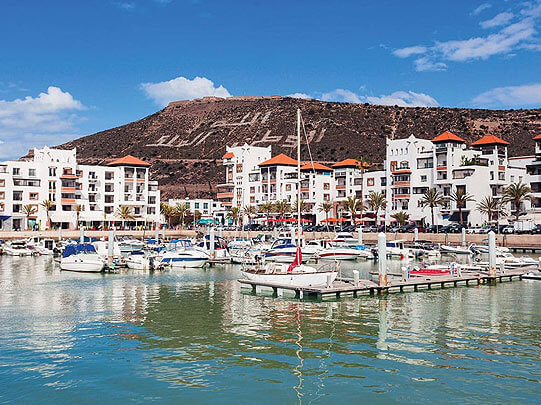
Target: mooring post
{"type": "Point", "coordinates": [157, 234]}
{"type": "Point", "coordinates": [382, 259]}
{"type": "Point", "coordinates": [274, 233]}
{"type": "Point", "coordinates": [211, 242]}
{"type": "Point", "coordinates": [329, 280]}
{"type": "Point", "coordinates": [356, 278]}
{"type": "Point", "coordinates": [360, 235]}
{"type": "Point", "coordinates": [82, 234]}
{"type": "Point", "coordinates": [220, 234]}
{"type": "Point", "coordinates": [60, 233]}
{"type": "Point", "coordinates": [110, 246]}
{"type": "Point", "coordinates": [415, 234]}
{"type": "Point", "coordinates": [492, 254]}
{"type": "Point", "coordinates": [293, 239]}
{"type": "Point", "coordinates": [463, 236]}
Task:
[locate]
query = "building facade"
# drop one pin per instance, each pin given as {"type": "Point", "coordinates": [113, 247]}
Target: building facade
{"type": "Point", "coordinates": [85, 194]}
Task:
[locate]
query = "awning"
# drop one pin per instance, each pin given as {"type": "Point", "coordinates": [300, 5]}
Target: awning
{"type": "Point", "coordinates": [455, 216]}
{"type": "Point", "coordinates": [4, 217]}
{"type": "Point", "coordinates": [337, 220]}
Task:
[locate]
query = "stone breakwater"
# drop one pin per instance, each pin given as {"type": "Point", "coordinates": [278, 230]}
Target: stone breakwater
{"type": "Point", "coordinates": [527, 241]}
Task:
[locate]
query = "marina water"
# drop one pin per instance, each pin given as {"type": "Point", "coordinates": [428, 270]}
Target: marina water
{"type": "Point", "coordinates": [195, 336]}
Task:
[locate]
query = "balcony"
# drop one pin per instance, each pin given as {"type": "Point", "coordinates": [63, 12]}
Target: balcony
{"type": "Point", "coordinates": [401, 196]}
{"type": "Point", "coordinates": [224, 195]}
{"type": "Point", "coordinates": [441, 167]}
{"type": "Point", "coordinates": [225, 185]}
{"type": "Point", "coordinates": [68, 189]}
{"type": "Point", "coordinates": [401, 183]}
{"type": "Point", "coordinates": [67, 201]}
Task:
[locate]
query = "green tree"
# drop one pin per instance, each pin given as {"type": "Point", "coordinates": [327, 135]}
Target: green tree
{"type": "Point", "coordinates": [352, 205]}
{"type": "Point", "coordinates": [282, 208]}
{"type": "Point", "coordinates": [167, 211]}
{"type": "Point", "coordinates": [78, 209]}
{"type": "Point", "coordinates": [250, 211]}
{"type": "Point", "coordinates": [401, 217]}
{"type": "Point", "coordinates": [432, 198]}
{"type": "Point", "coordinates": [517, 194]}
{"type": "Point", "coordinates": [234, 213]}
{"type": "Point", "coordinates": [326, 207]}
{"type": "Point", "coordinates": [125, 214]}
{"type": "Point", "coordinates": [29, 210]}
{"type": "Point", "coordinates": [460, 198]}
{"type": "Point", "coordinates": [266, 208]}
{"type": "Point", "coordinates": [376, 202]}
{"type": "Point", "coordinates": [181, 210]}
{"type": "Point", "coordinates": [48, 206]}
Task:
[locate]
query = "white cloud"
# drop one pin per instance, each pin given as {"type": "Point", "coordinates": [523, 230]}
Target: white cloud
{"type": "Point", "coordinates": [510, 96]}
{"type": "Point", "coordinates": [424, 64]}
{"type": "Point", "coordinates": [409, 51]}
{"type": "Point", "coordinates": [341, 95]}
{"type": "Point", "coordinates": [500, 19]}
{"type": "Point", "coordinates": [404, 99]}
{"type": "Point", "coordinates": [299, 95]}
{"type": "Point", "coordinates": [124, 5]}
{"type": "Point", "coordinates": [181, 88]}
{"type": "Point", "coordinates": [48, 118]}
{"type": "Point", "coordinates": [516, 32]}
{"type": "Point", "coordinates": [481, 8]}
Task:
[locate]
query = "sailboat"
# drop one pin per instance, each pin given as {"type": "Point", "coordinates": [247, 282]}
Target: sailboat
{"type": "Point", "coordinates": [295, 274]}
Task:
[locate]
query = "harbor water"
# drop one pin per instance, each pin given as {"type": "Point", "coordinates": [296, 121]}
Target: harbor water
{"type": "Point", "coordinates": [195, 336]}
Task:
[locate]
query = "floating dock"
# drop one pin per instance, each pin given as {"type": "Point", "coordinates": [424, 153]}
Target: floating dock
{"type": "Point", "coordinates": [346, 286]}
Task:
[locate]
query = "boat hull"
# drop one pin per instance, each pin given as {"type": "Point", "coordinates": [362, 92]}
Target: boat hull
{"type": "Point", "coordinates": [292, 279]}
{"type": "Point", "coordinates": [339, 255]}
{"type": "Point", "coordinates": [183, 263]}
{"type": "Point", "coordinates": [82, 265]}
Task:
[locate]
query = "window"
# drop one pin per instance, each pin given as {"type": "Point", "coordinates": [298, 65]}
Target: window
{"type": "Point", "coordinates": [2, 183]}
{"type": "Point", "coordinates": [34, 196]}
{"type": "Point", "coordinates": [16, 171]}
{"type": "Point", "coordinates": [17, 196]}
{"type": "Point", "coordinates": [326, 197]}
{"type": "Point", "coordinates": [288, 187]}
{"type": "Point", "coordinates": [205, 206]}
{"type": "Point", "coordinates": [370, 181]}
{"type": "Point", "coordinates": [2, 195]}
{"type": "Point", "coordinates": [52, 196]}
{"type": "Point", "coordinates": [196, 205]}
{"type": "Point", "coordinates": [2, 207]}
{"type": "Point", "coordinates": [423, 179]}
{"type": "Point", "coordinates": [252, 190]}
{"type": "Point", "coordinates": [326, 186]}
{"type": "Point", "coordinates": [32, 172]}
{"type": "Point", "coordinates": [512, 179]}
{"type": "Point", "coordinates": [52, 171]}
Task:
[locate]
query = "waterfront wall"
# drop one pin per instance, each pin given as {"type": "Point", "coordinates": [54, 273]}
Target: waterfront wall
{"type": "Point", "coordinates": [368, 238]}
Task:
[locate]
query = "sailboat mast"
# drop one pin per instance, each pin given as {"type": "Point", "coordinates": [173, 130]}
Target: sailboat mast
{"type": "Point", "coordinates": [298, 177]}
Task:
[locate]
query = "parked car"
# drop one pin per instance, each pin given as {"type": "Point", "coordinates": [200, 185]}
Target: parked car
{"type": "Point", "coordinates": [452, 228]}
{"type": "Point", "coordinates": [536, 230]}
{"type": "Point", "coordinates": [433, 228]}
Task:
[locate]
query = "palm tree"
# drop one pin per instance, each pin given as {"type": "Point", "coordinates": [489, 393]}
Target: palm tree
{"type": "Point", "coordinates": [517, 193]}
{"type": "Point", "coordinates": [29, 210]}
{"type": "Point", "coordinates": [303, 206]}
{"type": "Point", "coordinates": [326, 207]}
{"type": "Point", "coordinates": [401, 217]}
{"type": "Point", "coordinates": [282, 207]}
{"type": "Point", "coordinates": [432, 198]}
{"type": "Point", "coordinates": [376, 202]}
{"type": "Point", "coordinates": [125, 214]}
{"type": "Point", "coordinates": [48, 206]}
{"type": "Point", "coordinates": [266, 208]}
{"type": "Point", "coordinates": [352, 204]}
{"type": "Point", "coordinates": [234, 214]}
{"type": "Point", "coordinates": [167, 211]}
{"type": "Point", "coordinates": [181, 210]}
{"type": "Point", "coordinates": [249, 211]}
{"type": "Point", "coordinates": [78, 209]}
{"type": "Point", "coordinates": [460, 198]}
{"type": "Point", "coordinates": [196, 216]}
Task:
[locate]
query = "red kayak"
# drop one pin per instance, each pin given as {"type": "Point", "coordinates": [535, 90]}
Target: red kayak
{"type": "Point", "coordinates": [431, 272]}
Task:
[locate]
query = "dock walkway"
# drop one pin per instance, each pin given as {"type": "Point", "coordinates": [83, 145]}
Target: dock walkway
{"type": "Point", "coordinates": [346, 286]}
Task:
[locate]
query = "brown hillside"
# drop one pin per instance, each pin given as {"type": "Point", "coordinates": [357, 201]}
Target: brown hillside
{"type": "Point", "coordinates": [186, 140]}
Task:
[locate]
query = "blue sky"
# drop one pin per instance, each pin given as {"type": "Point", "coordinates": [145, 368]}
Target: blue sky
{"type": "Point", "coordinates": [72, 68]}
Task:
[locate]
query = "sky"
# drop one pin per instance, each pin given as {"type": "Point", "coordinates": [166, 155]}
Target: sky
{"type": "Point", "coordinates": [72, 68]}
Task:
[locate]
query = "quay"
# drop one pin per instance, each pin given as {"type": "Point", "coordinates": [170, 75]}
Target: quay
{"type": "Point", "coordinates": [347, 286]}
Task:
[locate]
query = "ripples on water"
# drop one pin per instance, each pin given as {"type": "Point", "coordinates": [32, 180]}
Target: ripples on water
{"type": "Point", "coordinates": [195, 336]}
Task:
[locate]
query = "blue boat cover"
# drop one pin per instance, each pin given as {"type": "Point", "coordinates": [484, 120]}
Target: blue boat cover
{"type": "Point", "coordinates": [78, 248]}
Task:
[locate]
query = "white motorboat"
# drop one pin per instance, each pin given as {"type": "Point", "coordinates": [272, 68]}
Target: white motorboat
{"type": "Point", "coordinates": [509, 261]}
{"type": "Point", "coordinates": [102, 247]}
{"type": "Point", "coordinates": [423, 250]}
{"type": "Point", "coordinates": [182, 254]}
{"type": "Point", "coordinates": [130, 245]}
{"type": "Point", "coordinates": [457, 250]}
{"type": "Point", "coordinates": [141, 260]}
{"type": "Point", "coordinates": [17, 248]}
{"type": "Point", "coordinates": [283, 251]}
{"type": "Point", "coordinates": [396, 249]}
{"type": "Point", "coordinates": [345, 238]}
{"type": "Point", "coordinates": [43, 247]}
{"type": "Point", "coordinates": [220, 247]}
{"type": "Point", "coordinates": [328, 250]}
{"type": "Point", "coordinates": [81, 257]}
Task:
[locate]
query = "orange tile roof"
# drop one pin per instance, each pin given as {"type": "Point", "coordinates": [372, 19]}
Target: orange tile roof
{"type": "Point", "coordinates": [489, 140]}
{"type": "Point", "coordinates": [538, 137]}
{"type": "Point", "coordinates": [315, 166]}
{"type": "Point", "coordinates": [228, 155]}
{"type": "Point", "coordinates": [128, 160]}
{"type": "Point", "coordinates": [279, 160]}
{"type": "Point", "coordinates": [448, 137]}
{"type": "Point", "coordinates": [351, 163]}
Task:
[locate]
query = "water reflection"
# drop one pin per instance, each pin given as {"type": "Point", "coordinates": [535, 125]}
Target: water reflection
{"type": "Point", "coordinates": [195, 333]}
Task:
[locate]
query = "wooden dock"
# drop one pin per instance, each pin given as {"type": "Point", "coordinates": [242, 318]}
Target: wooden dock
{"type": "Point", "coordinates": [346, 286]}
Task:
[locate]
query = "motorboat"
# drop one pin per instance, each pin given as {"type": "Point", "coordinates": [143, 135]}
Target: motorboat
{"type": "Point", "coordinates": [220, 247]}
{"type": "Point", "coordinates": [397, 249]}
{"type": "Point", "coordinates": [17, 248]}
{"type": "Point", "coordinates": [449, 269]}
{"type": "Point", "coordinates": [457, 250]}
{"type": "Point", "coordinates": [420, 249]}
{"type": "Point", "coordinates": [81, 257]}
{"type": "Point", "coordinates": [328, 250]}
{"type": "Point", "coordinates": [483, 249]}
{"type": "Point", "coordinates": [346, 238]}
{"type": "Point", "coordinates": [141, 260]}
{"type": "Point", "coordinates": [42, 247]}
{"type": "Point", "coordinates": [284, 251]}
{"type": "Point", "coordinates": [182, 254]}
{"type": "Point", "coordinates": [102, 247]}
{"type": "Point", "coordinates": [509, 261]}
{"type": "Point", "coordinates": [130, 245]}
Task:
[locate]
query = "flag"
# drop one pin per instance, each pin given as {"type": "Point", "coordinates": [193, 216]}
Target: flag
{"type": "Point", "coordinates": [297, 261]}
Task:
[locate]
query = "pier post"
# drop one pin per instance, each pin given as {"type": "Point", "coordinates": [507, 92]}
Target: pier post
{"type": "Point", "coordinates": [492, 254]}
{"type": "Point", "coordinates": [82, 234]}
{"type": "Point", "coordinates": [463, 236]}
{"type": "Point", "coordinates": [211, 242]}
{"type": "Point", "coordinates": [360, 235]}
{"type": "Point", "coordinates": [111, 246]}
{"type": "Point", "coordinates": [293, 241]}
{"type": "Point", "coordinates": [356, 278]}
{"type": "Point", "coordinates": [274, 233]}
{"type": "Point", "coordinates": [157, 234]}
{"type": "Point", "coordinates": [415, 234]}
{"type": "Point", "coordinates": [329, 280]}
{"type": "Point", "coordinates": [382, 259]}
{"type": "Point", "coordinates": [220, 234]}
{"type": "Point", "coordinates": [60, 233]}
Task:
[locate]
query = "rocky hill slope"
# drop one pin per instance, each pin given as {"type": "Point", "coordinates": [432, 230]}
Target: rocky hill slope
{"type": "Point", "coordinates": [186, 140]}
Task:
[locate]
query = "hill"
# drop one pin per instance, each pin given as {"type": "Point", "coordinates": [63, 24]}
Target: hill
{"type": "Point", "coordinates": [185, 141]}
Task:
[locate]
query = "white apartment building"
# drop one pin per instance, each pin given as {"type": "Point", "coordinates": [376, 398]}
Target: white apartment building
{"type": "Point", "coordinates": [99, 191]}
{"type": "Point", "coordinates": [211, 211]}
